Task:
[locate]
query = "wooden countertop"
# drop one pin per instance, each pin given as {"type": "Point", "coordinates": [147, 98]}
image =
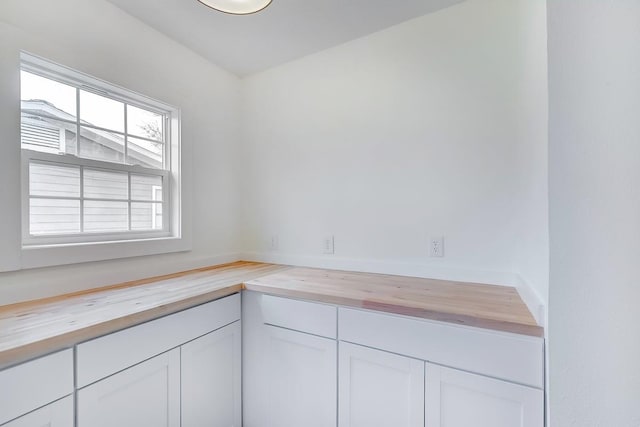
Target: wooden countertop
{"type": "Point", "coordinates": [471, 304]}
{"type": "Point", "coordinates": [34, 328]}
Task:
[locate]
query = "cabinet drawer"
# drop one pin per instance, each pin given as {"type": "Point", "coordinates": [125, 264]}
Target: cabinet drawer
{"type": "Point", "coordinates": [33, 384]}
{"type": "Point", "coordinates": [104, 356]}
{"type": "Point", "coordinates": [512, 357]}
{"type": "Point", "coordinates": [303, 316]}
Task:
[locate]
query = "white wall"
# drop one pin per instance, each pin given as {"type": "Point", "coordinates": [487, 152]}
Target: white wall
{"type": "Point", "coordinates": [594, 127]}
{"type": "Point", "coordinates": [532, 250]}
{"type": "Point", "coordinates": [95, 37]}
{"type": "Point", "coordinates": [434, 126]}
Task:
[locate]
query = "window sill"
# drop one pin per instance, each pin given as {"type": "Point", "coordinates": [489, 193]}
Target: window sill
{"type": "Point", "coordinates": [35, 256]}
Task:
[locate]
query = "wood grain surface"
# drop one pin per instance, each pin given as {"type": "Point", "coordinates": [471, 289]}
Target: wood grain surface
{"type": "Point", "coordinates": [485, 306]}
{"type": "Point", "coordinates": [35, 328]}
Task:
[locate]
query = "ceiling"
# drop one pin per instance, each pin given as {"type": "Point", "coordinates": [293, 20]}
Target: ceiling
{"type": "Point", "coordinates": [286, 30]}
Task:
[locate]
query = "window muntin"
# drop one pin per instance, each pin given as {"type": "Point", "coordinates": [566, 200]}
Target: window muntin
{"type": "Point", "coordinates": [111, 183]}
{"type": "Point", "coordinates": [48, 105]}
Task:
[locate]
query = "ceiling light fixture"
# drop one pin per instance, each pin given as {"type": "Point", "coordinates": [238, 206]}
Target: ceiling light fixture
{"type": "Point", "coordinates": [237, 7]}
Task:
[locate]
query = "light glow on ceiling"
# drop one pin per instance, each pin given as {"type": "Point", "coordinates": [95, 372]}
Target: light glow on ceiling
{"type": "Point", "coordinates": [237, 7]}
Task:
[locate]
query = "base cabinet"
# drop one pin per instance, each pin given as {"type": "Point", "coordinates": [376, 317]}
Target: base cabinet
{"type": "Point", "coordinates": [195, 385]}
{"type": "Point", "coordinates": [460, 399]}
{"type": "Point", "coordinates": [301, 388]}
{"type": "Point", "coordinates": [211, 379]}
{"type": "Point", "coordinates": [389, 372]}
{"type": "Point", "coordinates": [379, 389]}
{"type": "Point", "coordinates": [147, 394]}
{"type": "Point", "coordinates": [181, 370]}
{"type": "Point", "coordinates": [56, 414]}
{"type": "Point", "coordinates": [286, 363]}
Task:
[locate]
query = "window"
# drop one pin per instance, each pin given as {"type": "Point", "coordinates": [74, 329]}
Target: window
{"type": "Point", "coordinates": [96, 160]}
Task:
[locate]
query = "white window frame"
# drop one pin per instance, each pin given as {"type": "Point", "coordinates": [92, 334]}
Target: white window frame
{"type": "Point", "coordinates": [43, 250]}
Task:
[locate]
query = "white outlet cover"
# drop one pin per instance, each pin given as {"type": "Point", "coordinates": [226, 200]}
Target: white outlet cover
{"type": "Point", "coordinates": [436, 246]}
{"type": "Point", "coordinates": [274, 243]}
{"type": "Point", "coordinates": [328, 246]}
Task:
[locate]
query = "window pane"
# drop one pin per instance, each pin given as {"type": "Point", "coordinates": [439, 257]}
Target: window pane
{"type": "Point", "coordinates": [47, 134]}
{"type": "Point", "coordinates": [54, 180]}
{"type": "Point", "coordinates": [101, 145]}
{"type": "Point", "coordinates": [105, 216]}
{"type": "Point", "coordinates": [100, 111]}
{"type": "Point", "coordinates": [146, 187]}
{"type": "Point", "coordinates": [145, 124]}
{"type": "Point", "coordinates": [145, 153]}
{"type": "Point", "coordinates": [47, 96]}
{"type": "Point", "coordinates": [54, 216]}
{"type": "Point", "coordinates": [99, 184]}
{"type": "Point", "coordinates": [146, 216]}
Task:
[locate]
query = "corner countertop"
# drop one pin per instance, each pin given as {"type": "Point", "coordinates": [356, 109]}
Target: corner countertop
{"type": "Point", "coordinates": [34, 328]}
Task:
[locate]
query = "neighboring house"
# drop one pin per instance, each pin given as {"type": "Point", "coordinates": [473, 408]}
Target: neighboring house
{"type": "Point", "coordinates": [47, 128]}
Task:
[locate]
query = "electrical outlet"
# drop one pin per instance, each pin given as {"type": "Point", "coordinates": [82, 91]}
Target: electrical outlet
{"type": "Point", "coordinates": [328, 247]}
{"type": "Point", "coordinates": [436, 246]}
{"type": "Point", "coordinates": [274, 243]}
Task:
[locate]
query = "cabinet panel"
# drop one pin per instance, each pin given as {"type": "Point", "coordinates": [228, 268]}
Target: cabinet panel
{"type": "Point", "coordinates": [211, 379]}
{"type": "Point", "coordinates": [33, 384]}
{"type": "Point", "coordinates": [56, 414]}
{"type": "Point", "coordinates": [460, 399]}
{"type": "Point", "coordinates": [147, 394]}
{"type": "Point", "coordinates": [379, 389]}
{"type": "Point", "coordinates": [302, 379]}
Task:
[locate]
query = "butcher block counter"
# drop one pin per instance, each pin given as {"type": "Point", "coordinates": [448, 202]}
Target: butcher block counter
{"type": "Point", "coordinates": [34, 328]}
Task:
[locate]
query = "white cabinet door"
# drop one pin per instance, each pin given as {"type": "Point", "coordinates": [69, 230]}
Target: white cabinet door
{"type": "Point", "coordinates": [147, 394]}
{"type": "Point", "coordinates": [211, 379]}
{"type": "Point", "coordinates": [56, 414]}
{"type": "Point", "coordinates": [301, 389]}
{"type": "Point", "coordinates": [379, 389]}
{"type": "Point", "coordinates": [460, 399]}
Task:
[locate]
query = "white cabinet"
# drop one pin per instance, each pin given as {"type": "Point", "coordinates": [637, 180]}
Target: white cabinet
{"type": "Point", "coordinates": [490, 397]}
{"type": "Point", "coordinates": [510, 357]}
{"type": "Point", "coordinates": [106, 355]}
{"type": "Point", "coordinates": [182, 369]}
{"type": "Point", "coordinates": [301, 388]}
{"type": "Point", "coordinates": [35, 384]}
{"type": "Point", "coordinates": [211, 379]}
{"type": "Point", "coordinates": [289, 362]}
{"type": "Point", "coordinates": [379, 389]}
{"type": "Point", "coordinates": [460, 399]}
{"type": "Point", "coordinates": [56, 414]}
{"type": "Point", "coordinates": [389, 370]}
{"type": "Point", "coordinates": [147, 394]}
